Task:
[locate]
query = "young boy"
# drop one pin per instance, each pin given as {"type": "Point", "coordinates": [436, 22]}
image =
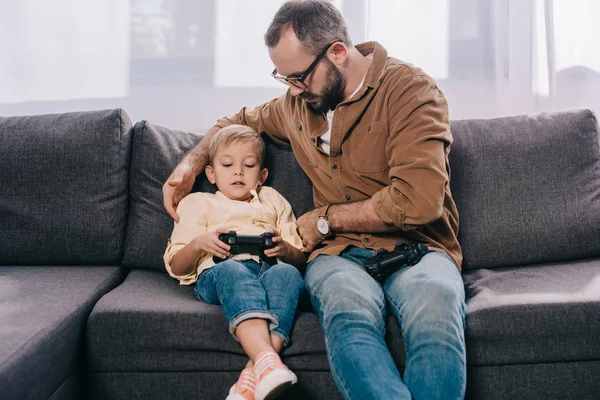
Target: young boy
{"type": "Point", "coordinates": [259, 300]}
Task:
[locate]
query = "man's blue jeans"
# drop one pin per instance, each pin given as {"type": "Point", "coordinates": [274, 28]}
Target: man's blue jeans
{"type": "Point", "coordinates": [429, 302]}
{"type": "Point", "coordinates": [247, 289]}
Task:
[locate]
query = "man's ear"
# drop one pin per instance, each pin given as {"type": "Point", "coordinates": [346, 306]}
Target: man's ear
{"type": "Point", "coordinates": [339, 53]}
{"type": "Point", "coordinates": [263, 176]}
{"type": "Point", "coordinates": [210, 174]}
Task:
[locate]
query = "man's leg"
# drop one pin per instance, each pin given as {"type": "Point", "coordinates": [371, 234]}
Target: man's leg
{"type": "Point", "coordinates": [351, 308]}
{"type": "Point", "coordinates": [429, 301]}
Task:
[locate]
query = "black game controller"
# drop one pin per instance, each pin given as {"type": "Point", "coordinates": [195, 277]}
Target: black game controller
{"type": "Point", "coordinates": [261, 242]}
{"type": "Point", "coordinates": [385, 263]}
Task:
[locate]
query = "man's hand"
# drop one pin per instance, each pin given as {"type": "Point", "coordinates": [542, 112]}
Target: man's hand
{"type": "Point", "coordinates": [307, 228]}
{"type": "Point", "coordinates": [210, 243]}
{"type": "Point", "coordinates": [177, 187]}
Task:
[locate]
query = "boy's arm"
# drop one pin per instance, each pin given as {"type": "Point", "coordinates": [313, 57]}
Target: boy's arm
{"type": "Point", "coordinates": [294, 256]}
{"type": "Point", "coordinates": [185, 261]}
{"type": "Point", "coordinates": [292, 252]}
{"type": "Point", "coordinates": [192, 223]}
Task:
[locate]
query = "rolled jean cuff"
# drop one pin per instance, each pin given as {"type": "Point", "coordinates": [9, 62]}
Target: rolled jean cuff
{"type": "Point", "coordinates": [284, 338]}
{"type": "Point", "coordinates": [253, 314]}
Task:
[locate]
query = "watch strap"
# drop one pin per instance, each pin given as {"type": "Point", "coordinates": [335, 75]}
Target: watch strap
{"type": "Point", "coordinates": [324, 217]}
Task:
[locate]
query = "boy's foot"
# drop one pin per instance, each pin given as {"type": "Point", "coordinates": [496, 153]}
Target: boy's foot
{"type": "Point", "coordinates": [243, 389]}
{"type": "Point", "coordinates": [272, 376]}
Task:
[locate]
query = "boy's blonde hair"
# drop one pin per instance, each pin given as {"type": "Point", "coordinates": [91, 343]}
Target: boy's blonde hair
{"type": "Point", "coordinates": [232, 133]}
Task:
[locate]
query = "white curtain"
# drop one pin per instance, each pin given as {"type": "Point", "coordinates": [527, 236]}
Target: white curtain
{"type": "Point", "coordinates": [63, 49]}
{"type": "Point", "coordinates": [498, 57]}
{"type": "Point", "coordinates": [185, 63]}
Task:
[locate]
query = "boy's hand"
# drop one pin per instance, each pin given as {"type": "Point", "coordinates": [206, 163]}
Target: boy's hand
{"type": "Point", "coordinates": [210, 243]}
{"type": "Point", "coordinates": [281, 248]}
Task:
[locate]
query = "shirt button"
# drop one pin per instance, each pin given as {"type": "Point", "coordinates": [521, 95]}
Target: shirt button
{"type": "Point", "coordinates": [333, 166]}
{"type": "Point", "coordinates": [347, 197]}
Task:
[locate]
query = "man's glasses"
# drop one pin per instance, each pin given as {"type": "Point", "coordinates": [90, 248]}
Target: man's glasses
{"type": "Point", "coordinates": [299, 81]}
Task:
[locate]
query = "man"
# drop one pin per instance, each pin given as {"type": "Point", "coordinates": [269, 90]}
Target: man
{"type": "Point", "coordinates": [372, 133]}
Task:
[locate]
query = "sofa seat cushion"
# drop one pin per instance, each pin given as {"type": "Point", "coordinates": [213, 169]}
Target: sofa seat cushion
{"type": "Point", "coordinates": [152, 324]}
{"type": "Point", "coordinates": [43, 314]}
{"type": "Point", "coordinates": [534, 314]}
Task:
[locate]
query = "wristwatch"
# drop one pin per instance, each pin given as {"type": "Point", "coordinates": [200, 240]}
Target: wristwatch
{"type": "Point", "coordinates": [323, 225]}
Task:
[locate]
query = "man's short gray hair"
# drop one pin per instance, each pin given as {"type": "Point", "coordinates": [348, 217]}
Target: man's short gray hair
{"type": "Point", "coordinates": [316, 23]}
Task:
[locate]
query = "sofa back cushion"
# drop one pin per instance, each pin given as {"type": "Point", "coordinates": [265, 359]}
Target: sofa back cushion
{"type": "Point", "coordinates": [527, 188]}
{"type": "Point", "coordinates": [64, 188]}
{"type": "Point", "coordinates": [156, 152]}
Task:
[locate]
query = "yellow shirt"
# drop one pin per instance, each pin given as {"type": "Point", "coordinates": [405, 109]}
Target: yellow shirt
{"type": "Point", "coordinates": [205, 212]}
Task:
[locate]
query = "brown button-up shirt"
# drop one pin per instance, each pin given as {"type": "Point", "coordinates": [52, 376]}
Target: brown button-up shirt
{"type": "Point", "coordinates": [389, 142]}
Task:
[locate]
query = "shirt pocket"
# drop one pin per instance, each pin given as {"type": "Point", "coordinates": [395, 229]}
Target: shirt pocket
{"type": "Point", "coordinates": [304, 148]}
{"type": "Point", "coordinates": [367, 147]}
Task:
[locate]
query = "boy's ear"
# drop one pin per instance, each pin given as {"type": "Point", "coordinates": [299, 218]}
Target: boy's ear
{"type": "Point", "coordinates": [263, 176]}
{"type": "Point", "coordinates": [210, 174]}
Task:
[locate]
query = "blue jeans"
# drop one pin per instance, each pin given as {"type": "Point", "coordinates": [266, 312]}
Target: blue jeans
{"type": "Point", "coordinates": [247, 289]}
{"type": "Point", "coordinates": [429, 302]}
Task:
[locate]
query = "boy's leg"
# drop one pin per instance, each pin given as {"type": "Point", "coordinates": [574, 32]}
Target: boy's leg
{"type": "Point", "coordinates": [277, 345]}
{"type": "Point", "coordinates": [283, 284]}
{"type": "Point", "coordinates": [351, 308]}
{"type": "Point", "coordinates": [429, 301]}
{"type": "Point", "coordinates": [235, 286]}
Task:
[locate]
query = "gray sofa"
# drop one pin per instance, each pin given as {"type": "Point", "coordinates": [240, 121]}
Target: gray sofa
{"type": "Point", "coordinates": [87, 310]}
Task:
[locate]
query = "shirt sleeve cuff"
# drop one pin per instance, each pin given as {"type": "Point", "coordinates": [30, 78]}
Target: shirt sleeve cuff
{"type": "Point", "coordinates": [288, 232]}
{"type": "Point", "coordinates": [387, 210]}
{"type": "Point", "coordinates": [168, 257]}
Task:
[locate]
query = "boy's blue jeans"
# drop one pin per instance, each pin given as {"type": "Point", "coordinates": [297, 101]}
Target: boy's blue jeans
{"type": "Point", "coordinates": [248, 289]}
{"type": "Point", "coordinates": [428, 301]}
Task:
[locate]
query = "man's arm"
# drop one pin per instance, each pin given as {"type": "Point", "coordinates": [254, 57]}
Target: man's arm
{"type": "Point", "coordinates": [180, 182]}
{"type": "Point", "coordinates": [417, 149]}
{"type": "Point", "coordinates": [197, 158]}
{"type": "Point", "coordinates": [359, 216]}
{"type": "Point", "coordinates": [416, 152]}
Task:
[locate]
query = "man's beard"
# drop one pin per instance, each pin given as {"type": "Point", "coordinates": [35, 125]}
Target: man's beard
{"type": "Point", "coordinates": [333, 93]}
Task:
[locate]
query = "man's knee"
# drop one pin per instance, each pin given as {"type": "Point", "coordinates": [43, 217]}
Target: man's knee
{"type": "Point", "coordinates": [429, 291]}
{"type": "Point", "coordinates": [229, 269]}
{"type": "Point", "coordinates": [340, 288]}
{"type": "Point", "coordinates": [435, 276]}
{"type": "Point", "coordinates": [287, 275]}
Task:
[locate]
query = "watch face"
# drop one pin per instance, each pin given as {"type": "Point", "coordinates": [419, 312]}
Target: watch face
{"type": "Point", "coordinates": [323, 226]}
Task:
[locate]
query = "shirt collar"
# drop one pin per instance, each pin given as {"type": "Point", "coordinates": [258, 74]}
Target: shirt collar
{"type": "Point", "coordinates": [378, 62]}
{"type": "Point", "coordinates": [254, 193]}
